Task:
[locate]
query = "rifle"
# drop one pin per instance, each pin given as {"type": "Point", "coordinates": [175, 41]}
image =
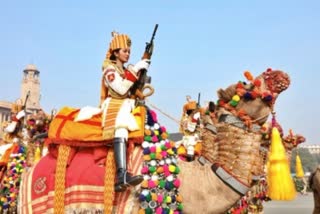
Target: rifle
{"type": "Point", "coordinates": [24, 108]}
{"type": "Point", "coordinates": [144, 80]}
{"type": "Point", "coordinates": [198, 103]}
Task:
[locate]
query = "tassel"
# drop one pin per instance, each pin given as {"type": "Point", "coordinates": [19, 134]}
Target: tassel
{"type": "Point", "coordinates": [281, 186]}
{"type": "Point", "coordinates": [37, 155]}
{"type": "Point", "coordinates": [299, 169]}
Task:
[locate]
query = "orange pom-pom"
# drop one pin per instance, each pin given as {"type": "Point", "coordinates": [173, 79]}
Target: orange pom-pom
{"type": "Point", "coordinates": [158, 156]}
{"type": "Point", "coordinates": [248, 75]}
{"type": "Point", "coordinates": [147, 132]}
{"type": "Point", "coordinates": [164, 135]}
{"type": "Point", "coordinates": [146, 157]}
{"type": "Point", "coordinates": [144, 184]}
{"type": "Point", "coordinates": [179, 198]}
{"type": "Point", "coordinates": [141, 211]}
{"type": "Point", "coordinates": [160, 169]}
{"type": "Point", "coordinates": [198, 148]}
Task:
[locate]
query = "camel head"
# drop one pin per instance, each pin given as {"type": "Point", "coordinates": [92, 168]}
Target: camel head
{"type": "Point", "coordinates": [252, 101]}
{"type": "Point", "coordinates": [291, 141]}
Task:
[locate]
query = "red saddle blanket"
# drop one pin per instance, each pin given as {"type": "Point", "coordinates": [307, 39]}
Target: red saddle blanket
{"type": "Point", "coordinates": [84, 186]}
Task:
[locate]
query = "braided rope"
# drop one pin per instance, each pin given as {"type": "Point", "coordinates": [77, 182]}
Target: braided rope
{"type": "Point", "coordinates": [63, 156]}
{"type": "Point", "coordinates": [162, 112]}
{"type": "Point", "coordinates": [109, 180]}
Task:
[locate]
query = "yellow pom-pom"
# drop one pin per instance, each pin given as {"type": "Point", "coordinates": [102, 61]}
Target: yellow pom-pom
{"type": "Point", "coordinates": [170, 152]}
{"type": "Point", "coordinates": [299, 169]}
{"type": "Point", "coordinates": [172, 168]}
{"type": "Point", "coordinates": [236, 98]}
{"type": "Point", "coordinates": [182, 150]}
{"type": "Point", "coordinates": [280, 183]}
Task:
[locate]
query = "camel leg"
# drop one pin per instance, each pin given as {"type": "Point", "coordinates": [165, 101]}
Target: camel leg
{"type": "Point", "coordinates": [316, 192]}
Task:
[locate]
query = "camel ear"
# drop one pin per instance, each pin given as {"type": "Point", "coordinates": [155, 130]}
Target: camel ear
{"type": "Point", "coordinates": [226, 94]}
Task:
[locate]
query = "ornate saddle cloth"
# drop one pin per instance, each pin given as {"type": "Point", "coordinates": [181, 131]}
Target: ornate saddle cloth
{"type": "Point", "coordinates": [64, 130]}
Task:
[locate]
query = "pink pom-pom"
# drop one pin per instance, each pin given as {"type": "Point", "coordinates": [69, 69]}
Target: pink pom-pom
{"type": "Point", "coordinates": [160, 198]}
{"type": "Point", "coordinates": [177, 183]}
{"type": "Point", "coordinates": [166, 168]}
{"type": "Point", "coordinates": [159, 210]}
{"type": "Point", "coordinates": [167, 145]}
{"type": "Point", "coordinates": [154, 116]}
{"type": "Point", "coordinates": [155, 139]}
{"type": "Point", "coordinates": [145, 170]}
{"type": "Point", "coordinates": [153, 149]}
{"type": "Point", "coordinates": [166, 173]}
{"type": "Point", "coordinates": [151, 184]}
{"type": "Point", "coordinates": [163, 129]}
{"type": "Point", "coordinates": [164, 153]}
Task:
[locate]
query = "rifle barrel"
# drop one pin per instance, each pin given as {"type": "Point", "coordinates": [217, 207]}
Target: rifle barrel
{"type": "Point", "coordinates": [154, 32]}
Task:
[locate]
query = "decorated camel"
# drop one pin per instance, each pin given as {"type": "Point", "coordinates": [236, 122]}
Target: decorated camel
{"type": "Point", "coordinates": [229, 165]}
{"type": "Point", "coordinates": [76, 176]}
{"type": "Point", "coordinates": [314, 183]}
{"type": "Point", "coordinates": [20, 150]}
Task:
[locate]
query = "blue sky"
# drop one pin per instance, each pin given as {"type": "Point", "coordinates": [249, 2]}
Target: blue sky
{"type": "Point", "coordinates": [200, 46]}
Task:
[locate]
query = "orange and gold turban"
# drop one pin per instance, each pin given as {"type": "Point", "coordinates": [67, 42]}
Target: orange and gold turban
{"type": "Point", "coordinates": [118, 41]}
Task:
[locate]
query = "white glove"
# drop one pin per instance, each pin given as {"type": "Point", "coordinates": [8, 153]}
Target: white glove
{"type": "Point", "coordinates": [142, 64]}
{"type": "Point", "coordinates": [122, 133]}
{"type": "Point", "coordinates": [20, 114]}
{"type": "Point", "coordinates": [11, 127]}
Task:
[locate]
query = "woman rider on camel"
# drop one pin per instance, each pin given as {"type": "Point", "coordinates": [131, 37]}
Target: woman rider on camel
{"type": "Point", "coordinates": [117, 80]}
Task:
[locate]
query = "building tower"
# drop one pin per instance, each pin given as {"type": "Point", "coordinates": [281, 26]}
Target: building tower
{"type": "Point", "coordinates": [30, 87]}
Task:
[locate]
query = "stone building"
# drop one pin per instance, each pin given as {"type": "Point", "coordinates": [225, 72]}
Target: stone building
{"type": "Point", "coordinates": [313, 149]}
{"type": "Point", "coordinates": [30, 91]}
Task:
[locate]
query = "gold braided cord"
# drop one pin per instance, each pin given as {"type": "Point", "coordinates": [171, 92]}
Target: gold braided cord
{"type": "Point", "coordinates": [162, 112]}
{"type": "Point", "coordinates": [63, 156]}
{"type": "Point", "coordinates": [109, 180]}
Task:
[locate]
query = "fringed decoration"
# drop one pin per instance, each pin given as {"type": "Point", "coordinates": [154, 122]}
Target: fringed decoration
{"type": "Point", "coordinates": [281, 186]}
{"type": "Point", "coordinates": [109, 182]}
{"type": "Point", "coordinates": [63, 155]}
{"type": "Point", "coordinates": [299, 169]}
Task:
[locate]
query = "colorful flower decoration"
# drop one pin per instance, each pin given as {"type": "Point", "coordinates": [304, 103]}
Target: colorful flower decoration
{"type": "Point", "coordinates": [160, 188]}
